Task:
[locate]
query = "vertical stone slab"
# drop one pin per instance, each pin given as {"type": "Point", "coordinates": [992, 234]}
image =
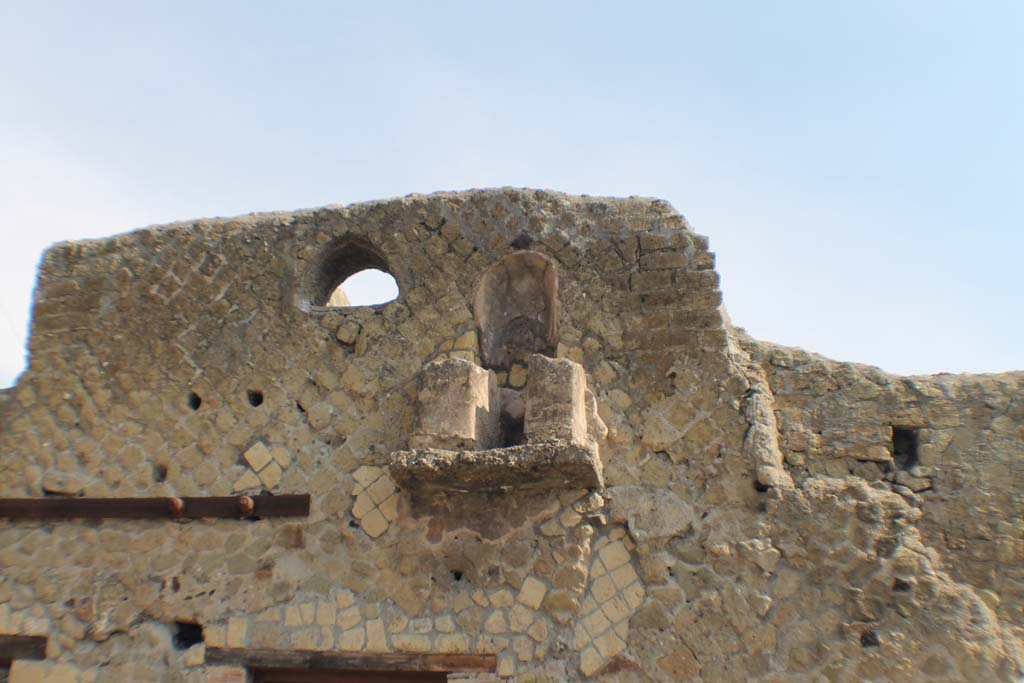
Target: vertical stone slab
{"type": "Point", "coordinates": [458, 407]}
{"type": "Point", "coordinates": [556, 401]}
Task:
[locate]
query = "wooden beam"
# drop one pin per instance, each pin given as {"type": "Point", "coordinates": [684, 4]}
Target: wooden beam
{"type": "Point", "coordinates": [22, 647]}
{"type": "Point", "coordinates": [345, 661]}
{"type": "Point", "coordinates": [225, 507]}
{"type": "Point", "coordinates": [325, 676]}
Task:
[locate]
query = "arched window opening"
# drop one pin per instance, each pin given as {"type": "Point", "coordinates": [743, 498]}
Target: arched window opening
{"type": "Point", "coordinates": [368, 287]}
{"type": "Point", "coordinates": [516, 309]}
{"type": "Point", "coordinates": [349, 272]}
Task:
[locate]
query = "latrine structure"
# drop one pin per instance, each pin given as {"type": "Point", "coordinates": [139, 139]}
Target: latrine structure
{"type": "Point", "coordinates": [551, 458]}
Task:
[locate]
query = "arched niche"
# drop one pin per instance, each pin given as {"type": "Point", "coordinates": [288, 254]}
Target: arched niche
{"type": "Point", "coordinates": [516, 309]}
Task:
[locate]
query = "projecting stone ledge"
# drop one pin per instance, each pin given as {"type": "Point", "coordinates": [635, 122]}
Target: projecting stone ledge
{"type": "Point", "coordinates": [548, 465]}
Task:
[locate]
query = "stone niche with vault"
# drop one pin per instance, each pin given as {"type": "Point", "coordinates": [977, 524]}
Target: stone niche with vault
{"type": "Point", "coordinates": [472, 434]}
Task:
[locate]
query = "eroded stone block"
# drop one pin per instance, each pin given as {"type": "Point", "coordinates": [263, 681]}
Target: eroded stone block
{"type": "Point", "coordinates": [458, 406]}
{"type": "Point", "coordinates": [556, 406]}
{"type": "Point", "coordinates": [550, 465]}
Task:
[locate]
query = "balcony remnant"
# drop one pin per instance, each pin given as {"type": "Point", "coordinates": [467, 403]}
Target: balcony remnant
{"type": "Point", "coordinates": [458, 443]}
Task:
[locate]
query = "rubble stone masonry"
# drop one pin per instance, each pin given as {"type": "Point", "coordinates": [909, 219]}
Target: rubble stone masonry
{"type": "Point", "coordinates": [766, 514]}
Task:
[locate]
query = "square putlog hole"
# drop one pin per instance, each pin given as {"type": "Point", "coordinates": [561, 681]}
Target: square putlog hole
{"type": "Point", "coordinates": [904, 447]}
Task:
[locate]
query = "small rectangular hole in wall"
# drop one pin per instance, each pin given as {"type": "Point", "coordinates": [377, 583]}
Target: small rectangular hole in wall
{"type": "Point", "coordinates": [187, 634]}
{"type": "Point", "coordinates": [904, 447]}
{"type": "Point", "coordinates": [513, 431]}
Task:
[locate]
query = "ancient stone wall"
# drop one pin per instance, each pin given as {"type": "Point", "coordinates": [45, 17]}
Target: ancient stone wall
{"type": "Point", "coordinates": [837, 419]}
{"type": "Point", "coordinates": [755, 522]}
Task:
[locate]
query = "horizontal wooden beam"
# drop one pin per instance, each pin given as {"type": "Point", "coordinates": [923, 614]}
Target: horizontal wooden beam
{"type": "Point", "coordinates": [349, 661]}
{"type": "Point", "coordinates": [225, 507]}
{"type": "Point", "coordinates": [335, 676]}
{"type": "Point", "coordinates": [22, 647]}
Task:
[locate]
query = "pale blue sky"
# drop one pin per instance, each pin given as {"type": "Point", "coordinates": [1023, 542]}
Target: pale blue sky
{"type": "Point", "coordinates": [857, 166]}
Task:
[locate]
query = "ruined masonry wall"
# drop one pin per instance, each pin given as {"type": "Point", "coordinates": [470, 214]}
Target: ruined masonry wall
{"type": "Point", "coordinates": [835, 420]}
{"type": "Point", "coordinates": [746, 531]}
